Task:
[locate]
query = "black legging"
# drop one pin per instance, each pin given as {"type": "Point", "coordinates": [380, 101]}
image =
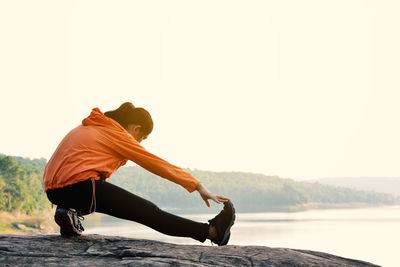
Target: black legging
{"type": "Point", "coordinates": [117, 202]}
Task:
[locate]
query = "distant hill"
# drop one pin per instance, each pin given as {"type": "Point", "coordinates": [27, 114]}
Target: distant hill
{"type": "Point", "coordinates": [250, 192]}
{"type": "Point", "coordinates": [21, 189]}
{"type": "Point", "coordinates": [390, 185]}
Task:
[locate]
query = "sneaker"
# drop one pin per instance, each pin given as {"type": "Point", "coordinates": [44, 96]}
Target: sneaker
{"type": "Point", "coordinates": [223, 223]}
{"type": "Point", "coordinates": [69, 222]}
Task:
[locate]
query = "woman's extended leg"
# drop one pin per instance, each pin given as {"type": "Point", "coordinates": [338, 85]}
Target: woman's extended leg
{"type": "Point", "coordinates": [117, 202]}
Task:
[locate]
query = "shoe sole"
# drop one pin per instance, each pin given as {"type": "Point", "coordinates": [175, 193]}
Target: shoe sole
{"type": "Point", "coordinates": [227, 233]}
{"type": "Point", "coordinates": [66, 224]}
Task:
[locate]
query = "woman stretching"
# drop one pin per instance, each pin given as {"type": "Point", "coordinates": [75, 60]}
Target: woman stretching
{"type": "Point", "coordinates": [75, 178]}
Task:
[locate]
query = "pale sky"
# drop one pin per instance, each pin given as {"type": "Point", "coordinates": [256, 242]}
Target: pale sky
{"type": "Point", "coordinates": [299, 89]}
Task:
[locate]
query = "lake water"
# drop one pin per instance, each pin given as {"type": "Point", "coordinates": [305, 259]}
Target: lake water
{"type": "Point", "coordinates": [369, 234]}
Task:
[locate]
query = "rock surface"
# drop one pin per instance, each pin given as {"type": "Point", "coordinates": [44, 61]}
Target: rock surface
{"type": "Point", "coordinates": [97, 250]}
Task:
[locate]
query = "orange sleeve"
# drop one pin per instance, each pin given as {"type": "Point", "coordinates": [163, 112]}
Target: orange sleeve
{"type": "Point", "coordinates": [128, 148]}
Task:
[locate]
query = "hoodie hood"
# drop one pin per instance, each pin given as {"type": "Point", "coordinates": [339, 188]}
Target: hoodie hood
{"type": "Point", "coordinates": [97, 118]}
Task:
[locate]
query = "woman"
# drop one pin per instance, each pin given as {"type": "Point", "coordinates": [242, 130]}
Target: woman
{"type": "Point", "coordinates": [75, 178]}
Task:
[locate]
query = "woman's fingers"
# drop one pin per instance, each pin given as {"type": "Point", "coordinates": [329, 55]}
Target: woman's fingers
{"type": "Point", "coordinates": [223, 199]}
{"type": "Point", "coordinates": [206, 195]}
{"type": "Point", "coordinates": [216, 200]}
{"type": "Point", "coordinates": [219, 199]}
{"type": "Point", "coordinates": [205, 198]}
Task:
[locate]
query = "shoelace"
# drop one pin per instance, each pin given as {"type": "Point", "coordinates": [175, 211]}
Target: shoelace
{"type": "Point", "coordinates": [80, 218]}
{"type": "Point", "coordinates": [77, 218]}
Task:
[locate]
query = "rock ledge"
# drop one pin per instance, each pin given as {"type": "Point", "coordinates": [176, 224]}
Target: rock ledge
{"type": "Point", "coordinates": [97, 250]}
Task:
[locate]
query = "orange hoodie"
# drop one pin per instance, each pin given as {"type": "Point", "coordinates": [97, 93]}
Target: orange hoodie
{"type": "Point", "coordinates": [97, 148]}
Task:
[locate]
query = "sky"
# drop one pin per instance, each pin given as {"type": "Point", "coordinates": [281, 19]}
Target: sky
{"type": "Point", "coordinates": [298, 89]}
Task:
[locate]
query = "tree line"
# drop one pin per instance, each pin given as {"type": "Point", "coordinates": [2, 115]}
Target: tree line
{"type": "Point", "coordinates": [250, 192]}
{"type": "Point", "coordinates": [21, 189]}
{"type": "Point", "coordinates": [21, 185]}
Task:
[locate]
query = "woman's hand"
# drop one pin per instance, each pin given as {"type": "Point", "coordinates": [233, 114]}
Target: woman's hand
{"type": "Point", "coordinates": [206, 195]}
